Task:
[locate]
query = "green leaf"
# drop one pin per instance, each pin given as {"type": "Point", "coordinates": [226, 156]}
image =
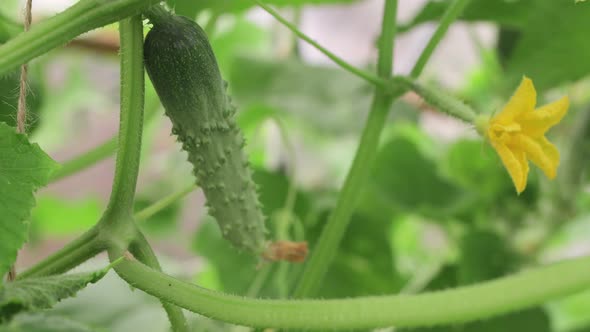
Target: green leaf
{"type": "Point", "coordinates": [42, 293]}
{"type": "Point", "coordinates": [111, 306]}
{"type": "Point", "coordinates": [190, 8]}
{"type": "Point", "coordinates": [408, 177]}
{"type": "Point", "coordinates": [473, 165]}
{"type": "Point", "coordinates": [535, 320]}
{"type": "Point", "coordinates": [242, 38]}
{"type": "Point", "coordinates": [507, 13]}
{"type": "Point", "coordinates": [553, 48]}
{"type": "Point", "coordinates": [226, 268]}
{"type": "Point", "coordinates": [24, 167]}
{"type": "Point", "coordinates": [40, 322]}
{"type": "Point", "coordinates": [484, 256]}
{"type": "Point", "coordinates": [364, 264]}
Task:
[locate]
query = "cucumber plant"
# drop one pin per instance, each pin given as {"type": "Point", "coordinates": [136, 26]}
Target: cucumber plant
{"type": "Point", "coordinates": [180, 62]}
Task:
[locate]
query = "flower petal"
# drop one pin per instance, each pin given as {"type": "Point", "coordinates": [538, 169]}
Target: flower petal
{"type": "Point", "coordinates": [515, 163]}
{"type": "Point", "coordinates": [523, 101]}
{"type": "Point", "coordinates": [551, 152]}
{"type": "Point", "coordinates": [542, 153]}
{"type": "Point", "coordinates": [536, 124]}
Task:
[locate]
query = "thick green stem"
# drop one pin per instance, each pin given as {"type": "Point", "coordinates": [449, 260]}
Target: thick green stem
{"type": "Point", "coordinates": [454, 10]}
{"type": "Point", "coordinates": [324, 251]}
{"type": "Point", "coordinates": [90, 244]}
{"type": "Point", "coordinates": [144, 253]}
{"type": "Point", "coordinates": [119, 228]}
{"type": "Point", "coordinates": [84, 16]}
{"type": "Point", "coordinates": [131, 119]}
{"type": "Point", "coordinates": [337, 60]}
{"type": "Point", "coordinates": [516, 292]}
{"type": "Point", "coordinates": [75, 253]}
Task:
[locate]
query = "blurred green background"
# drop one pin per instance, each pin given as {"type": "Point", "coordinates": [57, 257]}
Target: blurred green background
{"type": "Point", "coordinates": [439, 210]}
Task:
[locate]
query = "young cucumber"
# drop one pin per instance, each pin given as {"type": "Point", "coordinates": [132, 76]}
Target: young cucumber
{"type": "Point", "coordinates": [182, 67]}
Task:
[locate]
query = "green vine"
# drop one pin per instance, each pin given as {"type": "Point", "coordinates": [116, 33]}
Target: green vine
{"type": "Point", "coordinates": [82, 17]}
{"type": "Point", "coordinates": [337, 60]}
{"type": "Point", "coordinates": [457, 305]}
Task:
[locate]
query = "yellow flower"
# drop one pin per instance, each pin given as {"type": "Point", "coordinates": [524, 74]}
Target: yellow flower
{"type": "Point", "coordinates": [517, 134]}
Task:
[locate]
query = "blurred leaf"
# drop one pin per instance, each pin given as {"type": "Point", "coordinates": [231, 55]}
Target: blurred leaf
{"type": "Point", "coordinates": [8, 28]}
{"type": "Point", "coordinates": [484, 256]}
{"type": "Point", "coordinates": [328, 98]}
{"type": "Point", "coordinates": [24, 168]}
{"type": "Point", "coordinates": [40, 322]}
{"type": "Point", "coordinates": [408, 178]}
{"type": "Point", "coordinates": [571, 313]}
{"type": "Point", "coordinates": [273, 193]}
{"type": "Point", "coordinates": [508, 13]}
{"type": "Point", "coordinates": [535, 319]}
{"type": "Point", "coordinates": [57, 216]}
{"type": "Point", "coordinates": [190, 8]}
{"type": "Point", "coordinates": [9, 91]}
{"type": "Point", "coordinates": [235, 270]}
{"type": "Point", "coordinates": [43, 292]}
{"type": "Point", "coordinates": [364, 264]}
{"type": "Point", "coordinates": [252, 117]}
{"type": "Point", "coordinates": [474, 165]}
{"type": "Point", "coordinates": [483, 83]}
{"type": "Point", "coordinates": [529, 320]}
{"type": "Point", "coordinates": [242, 38]}
{"type": "Point", "coordinates": [418, 246]}
{"type": "Point", "coordinates": [553, 48]}
{"type": "Point", "coordinates": [445, 279]}
{"type": "Point", "coordinates": [163, 221]}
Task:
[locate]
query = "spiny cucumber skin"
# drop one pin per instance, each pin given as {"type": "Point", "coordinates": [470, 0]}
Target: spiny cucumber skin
{"type": "Point", "coordinates": [185, 74]}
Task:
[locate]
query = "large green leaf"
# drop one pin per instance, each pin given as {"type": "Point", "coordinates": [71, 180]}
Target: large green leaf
{"type": "Point", "coordinates": [190, 8]}
{"type": "Point", "coordinates": [43, 292]}
{"type": "Point", "coordinates": [40, 322]}
{"type": "Point", "coordinates": [24, 167]}
{"type": "Point", "coordinates": [554, 47]}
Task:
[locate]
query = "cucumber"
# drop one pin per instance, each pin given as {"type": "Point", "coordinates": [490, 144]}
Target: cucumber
{"type": "Point", "coordinates": [183, 69]}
